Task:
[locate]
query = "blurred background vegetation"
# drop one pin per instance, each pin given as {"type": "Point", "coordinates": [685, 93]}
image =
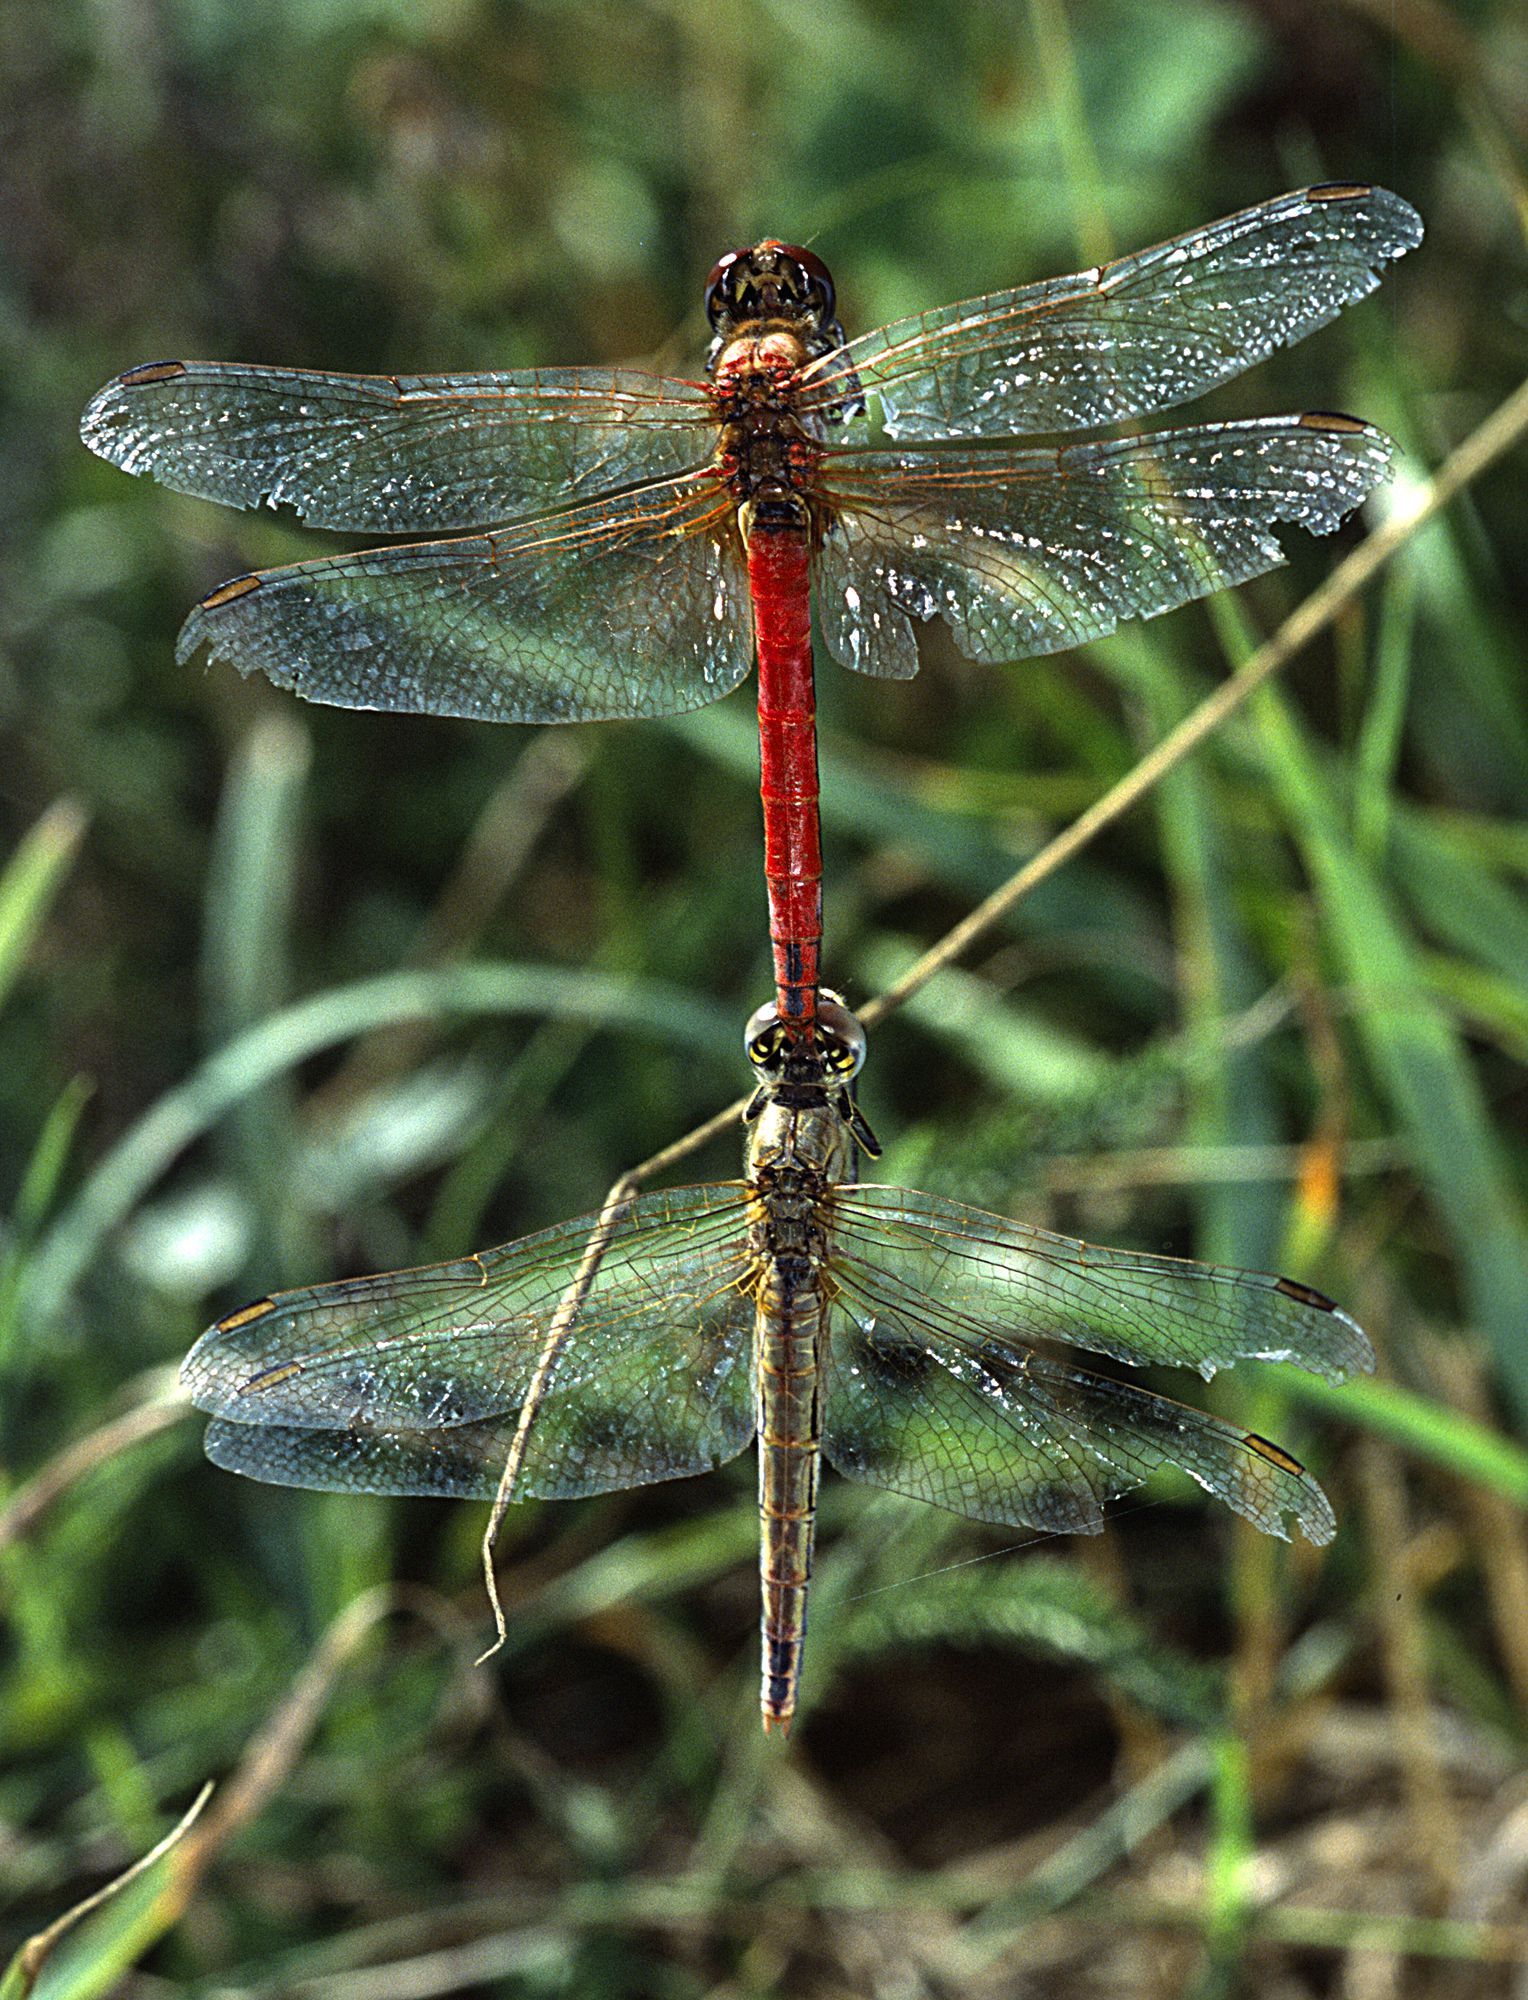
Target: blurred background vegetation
{"type": "Point", "coordinates": [463, 976]}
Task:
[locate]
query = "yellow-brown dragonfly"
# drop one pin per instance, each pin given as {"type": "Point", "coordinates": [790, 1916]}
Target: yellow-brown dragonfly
{"type": "Point", "coordinates": [908, 1340]}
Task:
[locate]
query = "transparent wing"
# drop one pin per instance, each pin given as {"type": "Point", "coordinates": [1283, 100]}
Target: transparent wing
{"type": "Point", "coordinates": [631, 606]}
{"type": "Point", "coordinates": [1143, 333]}
{"type": "Point", "coordinates": [992, 1430]}
{"type": "Point", "coordinates": [464, 1462]}
{"type": "Point", "coordinates": [412, 1382]}
{"type": "Point", "coordinates": [401, 454]}
{"type": "Point", "coordinates": [964, 1274]}
{"type": "Point", "coordinates": [1027, 551]}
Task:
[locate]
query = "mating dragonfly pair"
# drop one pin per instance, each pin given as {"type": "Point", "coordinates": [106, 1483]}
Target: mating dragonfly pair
{"type": "Point", "coordinates": [661, 537]}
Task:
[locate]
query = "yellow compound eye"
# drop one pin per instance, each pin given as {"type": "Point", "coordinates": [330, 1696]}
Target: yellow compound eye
{"type": "Point", "coordinates": [764, 1037]}
{"type": "Point", "coordinates": [841, 1039]}
{"type": "Point", "coordinates": [760, 1019]}
{"type": "Point", "coordinates": [834, 1047]}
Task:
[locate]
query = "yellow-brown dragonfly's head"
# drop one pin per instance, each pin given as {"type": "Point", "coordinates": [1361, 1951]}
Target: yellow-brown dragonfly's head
{"type": "Point", "coordinates": [834, 1053]}
{"type": "Point", "coordinates": [777, 282]}
{"type": "Point", "coordinates": [818, 1068]}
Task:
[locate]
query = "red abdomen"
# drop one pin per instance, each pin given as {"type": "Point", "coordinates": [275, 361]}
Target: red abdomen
{"type": "Point", "coordinates": [778, 567]}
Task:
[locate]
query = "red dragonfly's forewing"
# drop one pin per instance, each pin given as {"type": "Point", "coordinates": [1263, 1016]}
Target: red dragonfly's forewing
{"type": "Point", "coordinates": [399, 454]}
{"type": "Point", "coordinates": [412, 1382]}
{"type": "Point", "coordinates": [1144, 333]}
{"type": "Point", "coordinates": [632, 606]}
{"type": "Point", "coordinates": [1025, 551]}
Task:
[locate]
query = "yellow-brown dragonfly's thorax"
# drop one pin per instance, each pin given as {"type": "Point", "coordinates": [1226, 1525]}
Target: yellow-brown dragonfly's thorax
{"type": "Point", "coordinates": [796, 1155]}
{"type": "Point", "coordinates": [810, 1142]}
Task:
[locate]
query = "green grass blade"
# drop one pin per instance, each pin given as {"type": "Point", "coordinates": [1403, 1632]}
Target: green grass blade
{"type": "Point", "coordinates": [1418, 1061]}
{"type": "Point", "coordinates": [33, 876]}
{"type": "Point", "coordinates": [277, 1045]}
{"type": "Point", "coordinates": [246, 976]}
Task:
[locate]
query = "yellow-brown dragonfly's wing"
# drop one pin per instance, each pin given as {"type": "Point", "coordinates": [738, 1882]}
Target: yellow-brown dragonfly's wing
{"type": "Point", "coordinates": [973, 1273]}
{"type": "Point", "coordinates": [934, 1388]}
{"type": "Point", "coordinates": [993, 1430]}
{"type": "Point", "coordinates": [1144, 333]}
{"type": "Point", "coordinates": [398, 454]}
{"type": "Point", "coordinates": [413, 1382]}
{"type": "Point", "coordinates": [1027, 551]}
{"type": "Point", "coordinates": [625, 607]}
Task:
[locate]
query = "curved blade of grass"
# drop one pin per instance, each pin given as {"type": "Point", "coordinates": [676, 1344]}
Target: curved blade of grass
{"type": "Point", "coordinates": [31, 880]}
{"type": "Point", "coordinates": [245, 973]}
{"type": "Point", "coordinates": [1415, 1052]}
{"type": "Point", "coordinates": [39, 1184]}
{"type": "Point", "coordinates": [278, 1044]}
{"type": "Point", "coordinates": [1426, 1429]}
{"type": "Point", "coordinates": [129, 1913]}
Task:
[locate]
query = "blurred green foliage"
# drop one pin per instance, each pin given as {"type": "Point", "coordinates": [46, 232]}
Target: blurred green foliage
{"type": "Point", "coordinates": [290, 993]}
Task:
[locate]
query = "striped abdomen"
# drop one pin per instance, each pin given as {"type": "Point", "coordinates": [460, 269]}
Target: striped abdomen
{"type": "Point", "coordinates": [789, 1332]}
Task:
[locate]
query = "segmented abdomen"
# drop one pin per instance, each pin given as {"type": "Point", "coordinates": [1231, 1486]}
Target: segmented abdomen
{"type": "Point", "coordinates": [778, 577]}
{"type": "Point", "coordinates": [789, 1334]}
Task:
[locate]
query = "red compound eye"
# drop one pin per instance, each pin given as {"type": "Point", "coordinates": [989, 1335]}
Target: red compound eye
{"type": "Point", "coordinates": [715, 303]}
{"type": "Point", "coordinates": [770, 277]}
{"type": "Point", "coordinates": [817, 275]}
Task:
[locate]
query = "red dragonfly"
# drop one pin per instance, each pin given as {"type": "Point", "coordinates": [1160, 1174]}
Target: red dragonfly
{"type": "Point", "coordinates": [663, 533]}
{"type": "Point", "coordinates": [910, 1341]}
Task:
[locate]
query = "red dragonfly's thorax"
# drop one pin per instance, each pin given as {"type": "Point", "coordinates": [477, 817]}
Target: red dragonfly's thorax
{"type": "Point", "coordinates": [772, 286]}
{"type": "Point", "coordinates": [771, 310]}
{"type": "Point", "coordinates": [763, 454]}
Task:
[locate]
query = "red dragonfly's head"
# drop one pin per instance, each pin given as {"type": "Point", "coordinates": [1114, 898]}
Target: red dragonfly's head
{"type": "Point", "coordinates": [772, 281]}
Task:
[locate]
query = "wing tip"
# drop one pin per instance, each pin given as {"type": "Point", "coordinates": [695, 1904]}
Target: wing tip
{"type": "Point", "coordinates": [1358, 456]}
{"type": "Point", "coordinates": [197, 630]}
{"type": "Point", "coordinates": [1358, 1355]}
{"type": "Point", "coordinates": [197, 1372]}
{"type": "Point", "coordinates": [220, 1369]}
{"type": "Point", "coordinates": [1408, 227]}
{"type": "Point", "coordinates": [106, 423]}
{"type": "Point", "coordinates": [1311, 1509]}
